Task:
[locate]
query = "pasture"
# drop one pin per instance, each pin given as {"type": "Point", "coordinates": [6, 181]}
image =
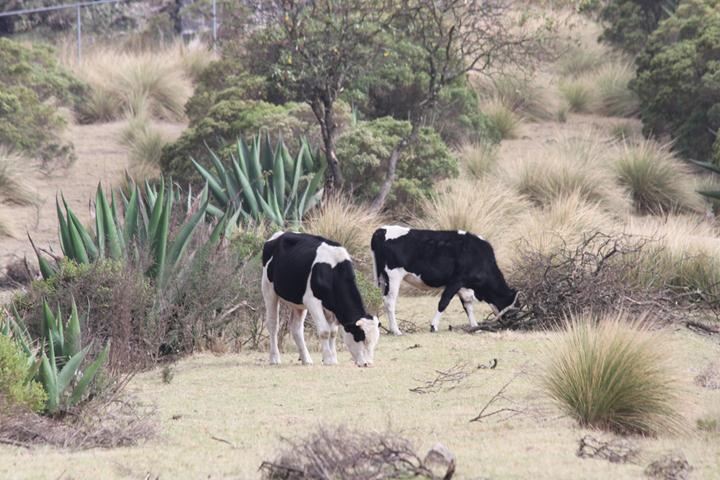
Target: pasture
{"type": "Point", "coordinates": [221, 416]}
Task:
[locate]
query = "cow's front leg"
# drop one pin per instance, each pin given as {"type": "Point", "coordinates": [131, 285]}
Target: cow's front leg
{"type": "Point", "coordinates": [272, 307]}
{"type": "Point", "coordinates": [467, 296]}
{"type": "Point", "coordinates": [297, 328]}
{"type": "Point", "coordinates": [333, 347]}
{"type": "Point", "coordinates": [392, 291]}
{"type": "Point", "coordinates": [445, 298]}
{"type": "Point", "coordinates": [329, 357]}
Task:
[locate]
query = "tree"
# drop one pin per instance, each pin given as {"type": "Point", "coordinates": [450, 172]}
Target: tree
{"type": "Point", "coordinates": [458, 37]}
{"type": "Point", "coordinates": [320, 46]}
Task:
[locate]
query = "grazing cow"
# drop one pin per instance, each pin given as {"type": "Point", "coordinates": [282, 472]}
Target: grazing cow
{"type": "Point", "coordinates": [311, 273]}
{"type": "Point", "coordinates": [461, 263]}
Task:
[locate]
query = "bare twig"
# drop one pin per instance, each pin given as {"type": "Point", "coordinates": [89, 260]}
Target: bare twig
{"type": "Point", "coordinates": [498, 395]}
{"type": "Point", "coordinates": [445, 379]}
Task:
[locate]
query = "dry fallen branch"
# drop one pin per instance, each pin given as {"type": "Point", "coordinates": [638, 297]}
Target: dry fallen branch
{"type": "Point", "coordinates": [617, 450]}
{"type": "Point", "coordinates": [449, 379]}
{"type": "Point", "coordinates": [499, 395]}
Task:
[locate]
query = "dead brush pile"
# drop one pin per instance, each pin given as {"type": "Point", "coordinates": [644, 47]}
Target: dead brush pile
{"type": "Point", "coordinates": [602, 273]}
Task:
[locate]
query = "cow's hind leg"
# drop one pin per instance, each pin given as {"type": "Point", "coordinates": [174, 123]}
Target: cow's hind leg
{"type": "Point", "coordinates": [297, 328]}
{"type": "Point", "coordinates": [467, 296]}
{"type": "Point", "coordinates": [333, 337]}
{"type": "Point", "coordinates": [392, 290]}
{"type": "Point", "coordinates": [272, 317]}
{"type": "Point", "coordinates": [445, 298]}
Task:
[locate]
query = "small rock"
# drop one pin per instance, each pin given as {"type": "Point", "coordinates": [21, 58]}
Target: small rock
{"type": "Point", "coordinates": [673, 466]}
{"type": "Point", "coordinates": [440, 461]}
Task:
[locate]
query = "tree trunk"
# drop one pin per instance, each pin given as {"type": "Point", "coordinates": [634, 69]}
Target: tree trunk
{"type": "Point", "coordinates": [323, 110]}
{"type": "Point", "coordinates": [390, 174]}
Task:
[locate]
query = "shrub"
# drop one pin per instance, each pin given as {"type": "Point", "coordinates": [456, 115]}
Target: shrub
{"type": "Point", "coordinates": [502, 120]}
{"type": "Point", "coordinates": [366, 148]}
{"type": "Point", "coordinates": [15, 389]}
{"type": "Point", "coordinates": [347, 223]}
{"type": "Point", "coordinates": [657, 181]}
{"type": "Point", "coordinates": [229, 119]}
{"type": "Point", "coordinates": [629, 23]}
{"type": "Point", "coordinates": [678, 78]}
{"type": "Point", "coordinates": [578, 94]}
{"type": "Point", "coordinates": [614, 96]}
{"type": "Point", "coordinates": [612, 373]}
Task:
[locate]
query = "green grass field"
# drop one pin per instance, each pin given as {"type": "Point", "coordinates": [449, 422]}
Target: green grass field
{"type": "Point", "coordinates": [222, 415]}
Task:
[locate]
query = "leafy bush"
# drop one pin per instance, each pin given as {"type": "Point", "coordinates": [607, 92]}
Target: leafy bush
{"type": "Point", "coordinates": [657, 181]}
{"type": "Point", "coordinates": [612, 373]}
{"type": "Point", "coordinates": [231, 118]}
{"type": "Point", "coordinates": [15, 388]}
{"type": "Point", "coordinates": [366, 148]}
{"type": "Point", "coordinates": [678, 78]}
{"type": "Point", "coordinates": [32, 84]}
{"type": "Point", "coordinates": [629, 23]}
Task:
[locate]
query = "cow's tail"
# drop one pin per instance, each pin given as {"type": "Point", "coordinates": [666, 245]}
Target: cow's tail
{"type": "Point", "coordinates": [376, 246]}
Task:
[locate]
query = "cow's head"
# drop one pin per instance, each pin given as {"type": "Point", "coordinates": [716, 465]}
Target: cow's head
{"type": "Point", "coordinates": [363, 351]}
{"type": "Point", "coordinates": [508, 302]}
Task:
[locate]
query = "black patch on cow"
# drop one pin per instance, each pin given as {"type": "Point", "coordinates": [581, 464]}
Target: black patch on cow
{"type": "Point", "coordinates": [289, 260]}
{"type": "Point", "coordinates": [376, 243]}
{"type": "Point", "coordinates": [445, 259]}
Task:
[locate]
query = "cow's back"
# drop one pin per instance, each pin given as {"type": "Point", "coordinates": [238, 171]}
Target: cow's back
{"type": "Point", "coordinates": [289, 258]}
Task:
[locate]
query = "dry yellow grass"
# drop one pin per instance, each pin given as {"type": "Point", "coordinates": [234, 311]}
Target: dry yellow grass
{"type": "Point", "coordinates": [246, 405]}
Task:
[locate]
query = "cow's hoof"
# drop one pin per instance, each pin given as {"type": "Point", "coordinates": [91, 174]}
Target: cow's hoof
{"type": "Point", "coordinates": [397, 333]}
{"type": "Point", "coordinates": [274, 360]}
{"type": "Point", "coordinates": [433, 329]}
{"type": "Point", "coordinates": [330, 362]}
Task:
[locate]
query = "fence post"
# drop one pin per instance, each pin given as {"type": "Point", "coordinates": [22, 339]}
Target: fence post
{"type": "Point", "coordinates": [79, 34]}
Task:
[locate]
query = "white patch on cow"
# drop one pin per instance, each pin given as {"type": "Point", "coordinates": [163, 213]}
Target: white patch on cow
{"type": "Point", "coordinates": [462, 232]}
{"type": "Point", "coordinates": [479, 236]}
{"type": "Point", "coordinates": [331, 255]}
{"type": "Point", "coordinates": [275, 235]}
{"type": "Point", "coordinates": [394, 231]}
{"type": "Point", "coordinates": [467, 295]}
{"type": "Point", "coordinates": [395, 278]}
{"type": "Point", "coordinates": [272, 322]}
{"type": "Point", "coordinates": [435, 325]}
{"type": "Point", "coordinates": [363, 353]}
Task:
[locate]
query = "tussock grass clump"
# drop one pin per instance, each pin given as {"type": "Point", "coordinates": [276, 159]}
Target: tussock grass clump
{"type": "Point", "coordinates": [122, 81]}
{"type": "Point", "coordinates": [683, 253]}
{"type": "Point", "coordinates": [348, 223]}
{"type": "Point", "coordinates": [573, 165]}
{"type": "Point", "coordinates": [5, 229]}
{"type": "Point", "coordinates": [519, 94]}
{"type": "Point", "coordinates": [477, 160]}
{"type": "Point", "coordinates": [14, 188]}
{"type": "Point", "coordinates": [615, 99]}
{"type": "Point", "coordinates": [657, 181]}
{"type": "Point", "coordinates": [626, 131]}
{"type": "Point", "coordinates": [502, 119]}
{"type": "Point", "coordinates": [144, 144]}
{"type": "Point", "coordinates": [578, 94]}
{"type": "Point", "coordinates": [611, 372]}
{"type": "Point", "coordinates": [195, 57]}
{"type": "Point", "coordinates": [578, 60]}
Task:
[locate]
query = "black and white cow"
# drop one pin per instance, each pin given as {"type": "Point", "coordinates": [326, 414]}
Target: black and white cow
{"type": "Point", "coordinates": [459, 262]}
{"type": "Point", "coordinates": [311, 273]}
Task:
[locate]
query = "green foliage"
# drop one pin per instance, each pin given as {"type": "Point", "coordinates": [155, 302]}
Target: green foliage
{"type": "Point", "coordinates": [260, 182]}
{"type": "Point", "coordinates": [369, 292]}
{"type": "Point", "coordinates": [366, 148]}
{"type": "Point", "coordinates": [230, 118]}
{"type": "Point", "coordinates": [611, 373]}
{"type": "Point", "coordinates": [146, 223]}
{"type": "Point", "coordinates": [629, 23]}
{"type": "Point", "coordinates": [17, 387]}
{"type": "Point", "coordinates": [29, 78]}
{"type": "Point", "coordinates": [678, 78]}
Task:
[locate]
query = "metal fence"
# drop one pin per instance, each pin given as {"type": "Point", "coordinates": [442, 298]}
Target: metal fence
{"type": "Point", "coordinates": [78, 6]}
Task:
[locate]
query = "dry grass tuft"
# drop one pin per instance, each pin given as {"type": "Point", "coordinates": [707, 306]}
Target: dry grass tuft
{"type": "Point", "coordinates": [519, 94]}
{"type": "Point", "coordinates": [657, 180]}
{"type": "Point", "coordinates": [502, 119]}
{"type": "Point", "coordinates": [14, 188]}
{"type": "Point", "coordinates": [612, 372]}
{"type": "Point", "coordinates": [195, 57]}
{"type": "Point", "coordinates": [579, 60]}
{"type": "Point", "coordinates": [122, 81]}
{"type": "Point", "coordinates": [352, 455]}
{"type": "Point", "coordinates": [144, 144]}
{"type": "Point", "coordinates": [572, 165]}
{"type": "Point", "coordinates": [347, 223]}
{"type": "Point", "coordinates": [615, 99]}
{"type": "Point", "coordinates": [578, 94]}
{"type": "Point", "coordinates": [477, 160]}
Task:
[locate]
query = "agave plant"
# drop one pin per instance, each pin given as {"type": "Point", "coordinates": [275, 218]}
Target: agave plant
{"type": "Point", "coordinates": [261, 182]}
{"type": "Point", "coordinates": [58, 366]}
{"type": "Point", "coordinates": [146, 221]}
